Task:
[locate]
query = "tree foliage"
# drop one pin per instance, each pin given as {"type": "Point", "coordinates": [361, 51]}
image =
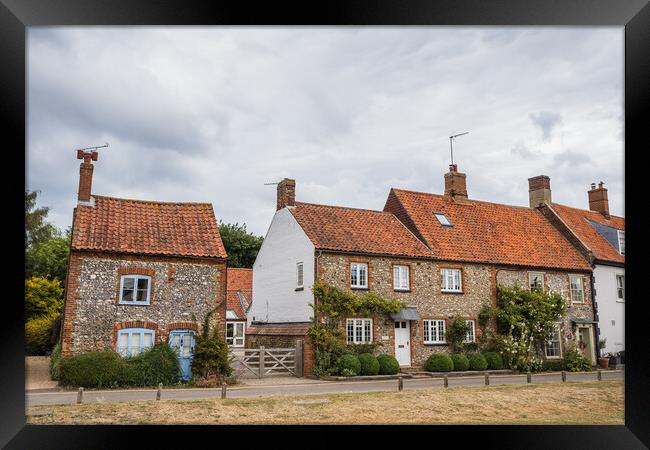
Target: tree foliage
{"type": "Point", "coordinates": [457, 333]}
{"type": "Point", "coordinates": [43, 297]}
{"type": "Point", "coordinates": [37, 229]}
{"type": "Point", "coordinates": [49, 258]}
{"type": "Point", "coordinates": [241, 246]}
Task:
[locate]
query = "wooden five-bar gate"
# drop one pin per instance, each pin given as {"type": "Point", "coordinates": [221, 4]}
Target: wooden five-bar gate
{"type": "Point", "coordinates": [263, 361]}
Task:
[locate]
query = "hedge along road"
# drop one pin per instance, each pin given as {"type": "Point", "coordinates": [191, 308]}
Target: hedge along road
{"type": "Point", "coordinates": [325, 387]}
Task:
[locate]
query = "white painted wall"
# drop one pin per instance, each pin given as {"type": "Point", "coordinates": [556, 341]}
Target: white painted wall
{"type": "Point", "coordinates": [611, 311]}
{"type": "Point", "coordinates": [275, 298]}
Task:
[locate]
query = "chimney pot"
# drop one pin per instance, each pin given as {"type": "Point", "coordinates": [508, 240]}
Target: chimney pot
{"type": "Point", "coordinates": [455, 183]}
{"type": "Point", "coordinates": [286, 194]}
{"type": "Point", "coordinates": [539, 190]}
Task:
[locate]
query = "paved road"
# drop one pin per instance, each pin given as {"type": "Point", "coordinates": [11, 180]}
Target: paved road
{"type": "Point", "coordinates": [325, 387]}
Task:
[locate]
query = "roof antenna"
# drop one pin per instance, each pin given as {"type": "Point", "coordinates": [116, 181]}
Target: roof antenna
{"type": "Point", "coordinates": [95, 148]}
{"type": "Point", "coordinates": [88, 156]}
{"type": "Point", "coordinates": [451, 145]}
{"type": "Point", "coordinates": [271, 184]}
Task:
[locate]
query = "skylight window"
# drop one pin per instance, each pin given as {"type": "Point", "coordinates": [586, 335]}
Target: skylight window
{"type": "Point", "coordinates": [443, 220]}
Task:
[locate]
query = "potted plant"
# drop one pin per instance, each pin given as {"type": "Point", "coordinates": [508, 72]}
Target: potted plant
{"type": "Point", "coordinates": [614, 359]}
{"type": "Point", "coordinates": [603, 361]}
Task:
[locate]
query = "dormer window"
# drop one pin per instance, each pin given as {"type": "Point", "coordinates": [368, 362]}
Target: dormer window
{"type": "Point", "coordinates": [621, 242]}
{"type": "Point", "coordinates": [444, 221]}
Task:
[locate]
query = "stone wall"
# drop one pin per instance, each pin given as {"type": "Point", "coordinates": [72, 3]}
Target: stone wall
{"type": "Point", "coordinates": [183, 291]}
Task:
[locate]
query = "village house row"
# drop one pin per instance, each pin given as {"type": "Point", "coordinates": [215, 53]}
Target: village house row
{"type": "Point", "coordinates": [142, 272]}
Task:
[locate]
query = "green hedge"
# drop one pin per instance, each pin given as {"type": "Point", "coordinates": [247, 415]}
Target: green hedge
{"type": "Point", "coordinates": [553, 365]}
{"type": "Point", "coordinates": [108, 369]}
{"type": "Point", "coordinates": [461, 363]}
{"type": "Point", "coordinates": [388, 365]}
{"type": "Point", "coordinates": [38, 332]}
{"type": "Point", "coordinates": [55, 360]}
{"type": "Point", "coordinates": [348, 365]}
{"type": "Point", "coordinates": [494, 360]}
{"type": "Point", "coordinates": [477, 361]}
{"type": "Point", "coordinates": [439, 362]}
{"type": "Point", "coordinates": [369, 364]}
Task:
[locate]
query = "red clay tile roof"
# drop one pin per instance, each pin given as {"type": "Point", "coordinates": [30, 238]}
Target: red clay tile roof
{"type": "Point", "coordinates": [147, 227]}
{"type": "Point", "coordinates": [485, 232]}
{"type": "Point", "coordinates": [576, 220]}
{"type": "Point", "coordinates": [357, 230]}
{"type": "Point", "coordinates": [278, 329]}
{"type": "Point", "coordinates": [239, 280]}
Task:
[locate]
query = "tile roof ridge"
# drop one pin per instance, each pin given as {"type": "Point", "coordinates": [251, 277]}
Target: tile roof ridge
{"type": "Point", "coordinates": [153, 202]}
{"type": "Point", "coordinates": [239, 268]}
{"type": "Point", "coordinates": [464, 201]}
{"type": "Point", "coordinates": [585, 210]}
{"type": "Point", "coordinates": [344, 207]}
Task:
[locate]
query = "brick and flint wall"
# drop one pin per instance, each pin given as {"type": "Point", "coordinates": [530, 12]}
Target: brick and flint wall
{"type": "Point", "coordinates": [183, 291]}
{"type": "Point", "coordinates": [479, 282]}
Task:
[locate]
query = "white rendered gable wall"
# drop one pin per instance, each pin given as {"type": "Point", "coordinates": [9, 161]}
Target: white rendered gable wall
{"type": "Point", "coordinates": [611, 311]}
{"type": "Point", "coordinates": [275, 298]}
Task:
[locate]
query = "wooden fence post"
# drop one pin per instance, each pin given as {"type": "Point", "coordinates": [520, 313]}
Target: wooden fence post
{"type": "Point", "coordinates": [400, 383]}
{"type": "Point", "coordinates": [261, 359]}
{"type": "Point", "coordinates": [223, 390]}
{"type": "Point", "coordinates": [600, 375]}
{"type": "Point", "coordinates": [528, 377]}
{"type": "Point", "coordinates": [446, 378]}
{"type": "Point", "coordinates": [563, 376]}
{"type": "Point", "coordinates": [159, 393]}
{"type": "Point", "coordinates": [487, 379]}
{"type": "Point", "coordinates": [80, 395]}
{"type": "Point", "coordinates": [298, 358]}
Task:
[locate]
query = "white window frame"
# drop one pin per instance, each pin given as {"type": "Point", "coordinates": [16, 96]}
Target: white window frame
{"type": "Point", "coordinates": [232, 339]}
{"type": "Point", "coordinates": [129, 332]}
{"type": "Point", "coordinates": [472, 331]}
{"type": "Point", "coordinates": [434, 326]}
{"type": "Point", "coordinates": [300, 275]}
{"type": "Point", "coordinates": [135, 290]}
{"type": "Point", "coordinates": [361, 331]}
{"type": "Point", "coordinates": [530, 277]}
{"type": "Point", "coordinates": [582, 289]}
{"type": "Point", "coordinates": [355, 268]}
{"type": "Point", "coordinates": [444, 280]}
{"type": "Point", "coordinates": [559, 344]}
{"type": "Point", "coordinates": [443, 219]}
{"type": "Point", "coordinates": [620, 289]}
{"type": "Point", "coordinates": [621, 248]}
{"type": "Point", "coordinates": [401, 278]}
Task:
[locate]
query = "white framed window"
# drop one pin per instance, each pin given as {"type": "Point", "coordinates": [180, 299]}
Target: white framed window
{"type": "Point", "coordinates": [621, 242]}
{"type": "Point", "coordinates": [451, 280]}
{"type": "Point", "coordinates": [552, 347]}
{"type": "Point", "coordinates": [434, 331]}
{"type": "Point", "coordinates": [444, 221]}
{"type": "Point", "coordinates": [620, 288]}
{"type": "Point", "coordinates": [235, 333]}
{"type": "Point", "coordinates": [299, 275]}
{"type": "Point", "coordinates": [131, 341]}
{"type": "Point", "coordinates": [471, 332]}
{"type": "Point", "coordinates": [135, 289]}
{"type": "Point", "coordinates": [576, 289]}
{"type": "Point", "coordinates": [536, 281]}
{"type": "Point", "coordinates": [359, 275]}
{"type": "Point", "coordinates": [359, 331]}
{"type": "Point", "coordinates": [401, 278]}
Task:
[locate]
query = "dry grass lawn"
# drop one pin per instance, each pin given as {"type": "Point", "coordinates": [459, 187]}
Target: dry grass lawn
{"type": "Point", "coordinates": [584, 403]}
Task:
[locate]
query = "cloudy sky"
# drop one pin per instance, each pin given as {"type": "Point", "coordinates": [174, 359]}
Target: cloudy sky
{"type": "Point", "coordinates": [212, 113]}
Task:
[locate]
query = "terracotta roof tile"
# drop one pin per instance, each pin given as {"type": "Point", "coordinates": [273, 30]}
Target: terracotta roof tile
{"type": "Point", "coordinates": [576, 219]}
{"type": "Point", "coordinates": [147, 227]}
{"type": "Point", "coordinates": [485, 232]}
{"type": "Point", "coordinates": [239, 280]}
{"type": "Point", "coordinates": [357, 230]}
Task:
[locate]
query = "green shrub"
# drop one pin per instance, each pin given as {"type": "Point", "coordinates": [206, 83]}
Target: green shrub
{"type": "Point", "coordinates": [388, 365]}
{"type": "Point", "coordinates": [37, 335]}
{"type": "Point", "coordinates": [494, 360]}
{"type": "Point", "coordinates": [210, 360]}
{"type": "Point", "coordinates": [574, 361]}
{"type": "Point", "coordinates": [553, 365]}
{"type": "Point", "coordinates": [369, 364]}
{"type": "Point", "coordinates": [158, 365]}
{"type": "Point", "coordinates": [348, 365]}
{"type": "Point", "coordinates": [461, 363]}
{"type": "Point", "coordinates": [439, 362]}
{"type": "Point", "coordinates": [324, 363]}
{"type": "Point", "coordinates": [93, 369]}
{"type": "Point", "coordinates": [55, 360]}
{"type": "Point", "coordinates": [477, 361]}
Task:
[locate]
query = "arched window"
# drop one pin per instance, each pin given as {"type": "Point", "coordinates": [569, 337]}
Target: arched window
{"type": "Point", "coordinates": [131, 341]}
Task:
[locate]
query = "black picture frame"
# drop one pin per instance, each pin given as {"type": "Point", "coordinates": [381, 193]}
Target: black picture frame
{"type": "Point", "coordinates": [634, 15]}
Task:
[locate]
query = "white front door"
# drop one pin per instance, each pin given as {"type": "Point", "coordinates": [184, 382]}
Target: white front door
{"type": "Point", "coordinates": [403, 343]}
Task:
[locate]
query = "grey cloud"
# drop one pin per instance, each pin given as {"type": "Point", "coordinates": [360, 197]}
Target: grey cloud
{"type": "Point", "coordinates": [572, 158]}
{"type": "Point", "coordinates": [546, 121]}
{"type": "Point", "coordinates": [521, 149]}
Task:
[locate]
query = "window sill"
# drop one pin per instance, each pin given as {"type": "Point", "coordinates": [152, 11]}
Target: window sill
{"type": "Point", "coordinates": [299, 289]}
{"type": "Point", "coordinates": [620, 301]}
{"type": "Point", "coordinates": [133, 304]}
{"type": "Point", "coordinates": [359, 288]}
{"type": "Point", "coordinates": [436, 343]}
{"type": "Point", "coordinates": [452, 292]}
{"type": "Point", "coordinates": [359, 343]}
{"type": "Point", "coordinates": [402, 290]}
{"type": "Point", "coordinates": [555, 358]}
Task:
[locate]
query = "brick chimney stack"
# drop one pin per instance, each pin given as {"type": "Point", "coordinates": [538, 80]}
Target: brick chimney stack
{"type": "Point", "coordinates": [539, 190]}
{"type": "Point", "coordinates": [286, 193]}
{"type": "Point", "coordinates": [598, 200]}
{"type": "Point", "coordinates": [455, 183]}
{"type": "Point", "coordinates": [85, 174]}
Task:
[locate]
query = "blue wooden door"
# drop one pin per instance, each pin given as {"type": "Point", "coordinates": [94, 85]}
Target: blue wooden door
{"type": "Point", "coordinates": [183, 342]}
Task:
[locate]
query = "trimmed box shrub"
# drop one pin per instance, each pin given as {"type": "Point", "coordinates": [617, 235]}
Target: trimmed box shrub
{"type": "Point", "coordinates": [348, 365]}
{"type": "Point", "coordinates": [553, 365]}
{"type": "Point", "coordinates": [388, 365]}
{"type": "Point", "coordinates": [461, 363]}
{"type": "Point", "coordinates": [477, 361]}
{"type": "Point", "coordinates": [439, 362]}
{"type": "Point", "coordinates": [494, 360]}
{"type": "Point", "coordinates": [369, 364]}
{"type": "Point", "coordinates": [158, 365]}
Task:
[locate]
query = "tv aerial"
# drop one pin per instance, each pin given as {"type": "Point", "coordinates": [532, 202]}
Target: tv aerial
{"type": "Point", "coordinates": [451, 143]}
